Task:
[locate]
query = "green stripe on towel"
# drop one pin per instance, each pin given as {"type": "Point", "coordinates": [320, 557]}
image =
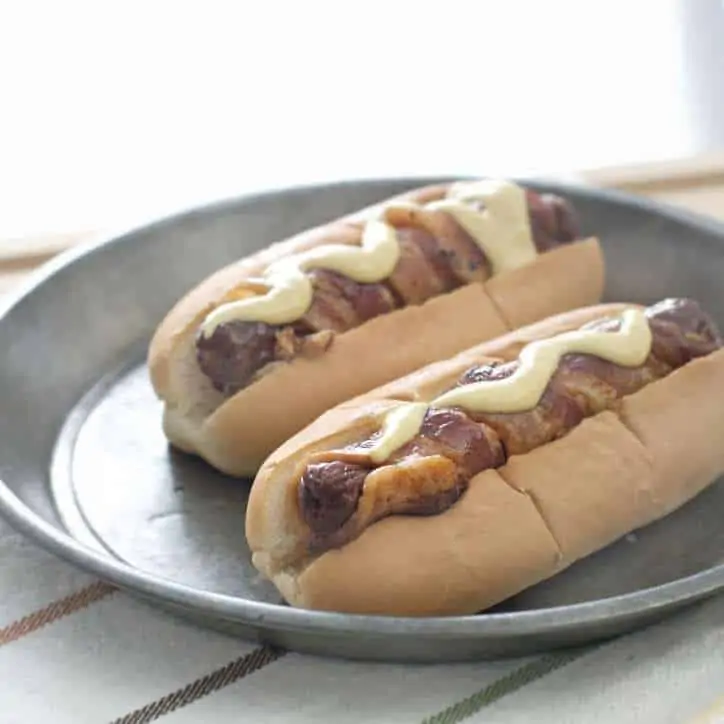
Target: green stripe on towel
{"type": "Point", "coordinates": [505, 685]}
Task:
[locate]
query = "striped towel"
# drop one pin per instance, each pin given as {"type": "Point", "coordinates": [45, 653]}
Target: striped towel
{"type": "Point", "coordinates": [75, 650]}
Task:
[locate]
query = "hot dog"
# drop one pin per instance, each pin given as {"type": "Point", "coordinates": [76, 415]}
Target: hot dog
{"type": "Point", "coordinates": [459, 485]}
{"type": "Point", "coordinates": [262, 347]}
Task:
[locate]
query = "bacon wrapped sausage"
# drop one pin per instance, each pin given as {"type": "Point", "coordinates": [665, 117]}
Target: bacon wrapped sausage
{"type": "Point", "coordinates": [454, 445]}
{"type": "Point", "coordinates": [263, 346]}
{"type": "Point", "coordinates": [437, 256]}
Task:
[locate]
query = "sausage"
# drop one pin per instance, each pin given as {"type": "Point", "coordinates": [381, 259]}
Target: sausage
{"type": "Point", "coordinates": [583, 385]}
{"type": "Point", "coordinates": [552, 220]}
{"type": "Point", "coordinates": [524, 431]}
{"type": "Point", "coordinates": [232, 355]}
{"type": "Point", "coordinates": [437, 256]}
{"type": "Point", "coordinates": [328, 493]}
{"type": "Point", "coordinates": [422, 271]}
{"type": "Point", "coordinates": [451, 433]}
{"type": "Point", "coordinates": [340, 303]}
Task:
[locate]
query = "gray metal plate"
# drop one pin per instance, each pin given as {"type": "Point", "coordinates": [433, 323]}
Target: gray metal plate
{"type": "Point", "coordinates": [86, 471]}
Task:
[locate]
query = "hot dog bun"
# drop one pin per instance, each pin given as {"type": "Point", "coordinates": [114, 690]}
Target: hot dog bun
{"type": "Point", "coordinates": [237, 433]}
{"type": "Point", "coordinates": [515, 525]}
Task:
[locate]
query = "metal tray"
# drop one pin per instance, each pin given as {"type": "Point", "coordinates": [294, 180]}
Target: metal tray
{"type": "Point", "coordinates": [87, 474]}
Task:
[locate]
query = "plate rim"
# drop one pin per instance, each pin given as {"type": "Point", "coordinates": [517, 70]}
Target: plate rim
{"type": "Point", "coordinates": [264, 616]}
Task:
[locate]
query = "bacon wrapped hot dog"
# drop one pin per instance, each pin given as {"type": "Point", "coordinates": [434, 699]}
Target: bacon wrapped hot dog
{"type": "Point", "coordinates": [331, 313]}
{"type": "Point", "coordinates": [455, 487]}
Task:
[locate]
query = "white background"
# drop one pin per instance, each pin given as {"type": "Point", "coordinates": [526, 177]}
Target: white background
{"type": "Point", "coordinates": [115, 110]}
